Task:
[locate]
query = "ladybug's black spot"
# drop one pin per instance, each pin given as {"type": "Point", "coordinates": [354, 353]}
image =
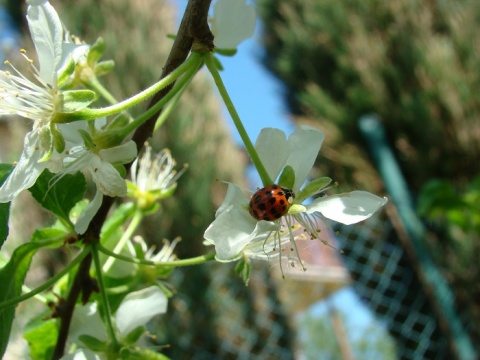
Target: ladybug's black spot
{"type": "Point", "coordinates": [278, 216]}
{"type": "Point", "coordinates": [257, 198]}
{"type": "Point", "coordinates": [272, 201]}
{"type": "Point", "coordinates": [262, 206]}
{"type": "Point", "coordinates": [282, 202]}
{"type": "Point", "coordinates": [254, 214]}
{"type": "Point", "coordinates": [273, 210]}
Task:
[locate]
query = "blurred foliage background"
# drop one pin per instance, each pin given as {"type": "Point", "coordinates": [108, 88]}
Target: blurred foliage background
{"type": "Point", "coordinates": [415, 64]}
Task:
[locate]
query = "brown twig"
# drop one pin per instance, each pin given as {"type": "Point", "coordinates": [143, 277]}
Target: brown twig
{"type": "Point", "coordinates": [193, 29]}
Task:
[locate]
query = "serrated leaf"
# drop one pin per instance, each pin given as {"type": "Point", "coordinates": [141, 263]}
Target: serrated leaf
{"type": "Point", "coordinates": [42, 338]}
{"type": "Point", "coordinates": [12, 277]}
{"type": "Point", "coordinates": [59, 196]}
{"type": "Point", "coordinates": [5, 170]}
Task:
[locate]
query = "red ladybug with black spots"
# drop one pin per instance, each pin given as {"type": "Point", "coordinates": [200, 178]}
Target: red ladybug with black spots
{"type": "Point", "coordinates": [271, 202]}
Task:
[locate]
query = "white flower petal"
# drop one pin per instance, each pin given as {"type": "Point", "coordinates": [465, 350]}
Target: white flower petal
{"type": "Point", "coordinates": [121, 154]}
{"type": "Point", "coordinates": [233, 21]}
{"type": "Point", "coordinates": [234, 196]}
{"type": "Point", "coordinates": [107, 178]}
{"type": "Point", "coordinates": [87, 215]}
{"type": "Point", "coordinates": [47, 35]}
{"type": "Point", "coordinates": [27, 170]}
{"type": "Point", "coordinates": [303, 147]}
{"type": "Point", "coordinates": [348, 208]}
{"type": "Point", "coordinates": [273, 150]}
{"type": "Point", "coordinates": [139, 307]}
{"type": "Point", "coordinates": [70, 131]}
{"type": "Point", "coordinates": [234, 229]}
{"type": "Point", "coordinates": [87, 321]}
{"type": "Point", "coordinates": [75, 51]}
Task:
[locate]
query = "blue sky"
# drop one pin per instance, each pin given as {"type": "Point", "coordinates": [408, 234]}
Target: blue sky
{"type": "Point", "coordinates": [257, 95]}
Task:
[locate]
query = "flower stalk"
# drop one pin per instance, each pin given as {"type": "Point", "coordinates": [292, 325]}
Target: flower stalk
{"type": "Point", "coordinates": [193, 62]}
{"type": "Point", "coordinates": [266, 180]}
{"type": "Point", "coordinates": [103, 293]}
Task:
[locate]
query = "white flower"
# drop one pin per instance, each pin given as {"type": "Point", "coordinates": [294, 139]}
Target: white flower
{"type": "Point", "coordinates": [116, 268]}
{"type": "Point", "coordinates": [153, 177]}
{"type": "Point", "coordinates": [85, 153]}
{"type": "Point", "coordinates": [234, 229]}
{"type": "Point", "coordinates": [139, 307]}
{"type": "Point", "coordinates": [100, 165]}
{"type": "Point", "coordinates": [164, 255]}
{"type": "Point", "coordinates": [135, 310]}
{"type": "Point", "coordinates": [233, 21]}
{"type": "Point", "coordinates": [37, 100]}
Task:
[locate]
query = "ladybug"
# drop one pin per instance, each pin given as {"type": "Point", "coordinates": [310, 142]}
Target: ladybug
{"type": "Point", "coordinates": [270, 203]}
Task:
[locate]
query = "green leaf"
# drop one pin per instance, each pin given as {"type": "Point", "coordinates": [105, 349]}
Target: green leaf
{"type": "Point", "coordinates": [5, 170]}
{"type": "Point", "coordinates": [243, 269]}
{"type": "Point", "coordinates": [4, 215]}
{"type": "Point", "coordinates": [12, 277]}
{"type": "Point", "coordinates": [314, 187]}
{"type": "Point", "coordinates": [59, 195]}
{"type": "Point", "coordinates": [42, 336]}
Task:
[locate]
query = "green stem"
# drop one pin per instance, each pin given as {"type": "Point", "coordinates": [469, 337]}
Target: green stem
{"type": "Point", "coordinates": [167, 110]}
{"type": "Point", "coordinates": [184, 262]}
{"type": "Point", "coordinates": [97, 86]}
{"type": "Point", "coordinates": [137, 218]}
{"type": "Point", "coordinates": [193, 61]}
{"type": "Point", "coordinates": [49, 282]}
{"type": "Point", "coordinates": [266, 180]}
{"type": "Point", "coordinates": [178, 87]}
{"type": "Point", "coordinates": [103, 293]}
